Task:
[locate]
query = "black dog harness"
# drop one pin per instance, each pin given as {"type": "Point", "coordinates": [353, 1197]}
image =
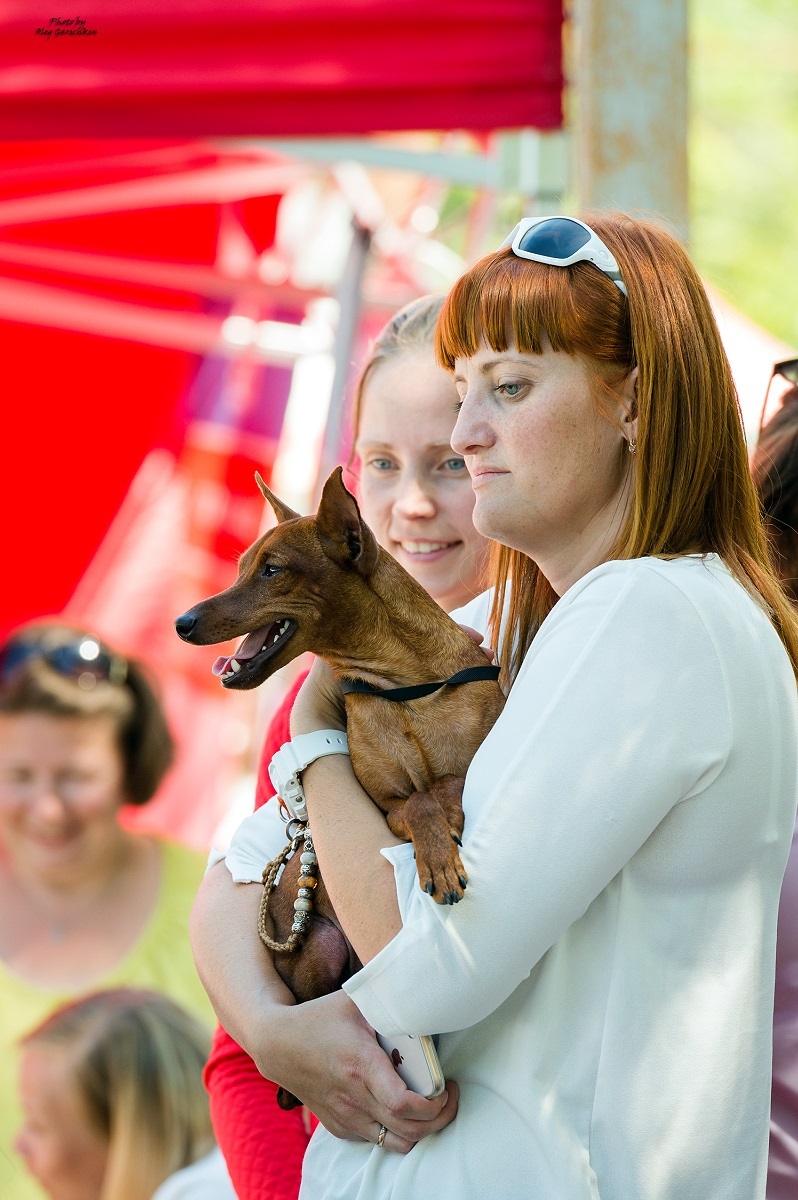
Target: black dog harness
{"type": "Point", "coordinates": [468, 675]}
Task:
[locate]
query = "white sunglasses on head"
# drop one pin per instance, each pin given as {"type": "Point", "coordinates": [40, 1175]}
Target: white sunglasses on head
{"type": "Point", "coordinates": [561, 241]}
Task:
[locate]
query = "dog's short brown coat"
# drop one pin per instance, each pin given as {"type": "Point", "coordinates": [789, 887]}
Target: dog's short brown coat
{"type": "Point", "coordinates": [352, 604]}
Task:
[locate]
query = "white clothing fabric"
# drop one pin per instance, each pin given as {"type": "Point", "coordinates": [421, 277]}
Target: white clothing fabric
{"type": "Point", "coordinates": [206, 1179]}
{"type": "Point", "coordinates": [259, 838]}
{"type": "Point", "coordinates": [604, 991]}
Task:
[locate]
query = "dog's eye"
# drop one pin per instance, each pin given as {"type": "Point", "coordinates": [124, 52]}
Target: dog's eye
{"type": "Point", "coordinates": [269, 570]}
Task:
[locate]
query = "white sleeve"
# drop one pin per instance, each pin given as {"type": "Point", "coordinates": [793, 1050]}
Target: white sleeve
{"type": "Point", "coordinates": [258, 839]}
{"type": "Point", "coordinates": [619, 713]}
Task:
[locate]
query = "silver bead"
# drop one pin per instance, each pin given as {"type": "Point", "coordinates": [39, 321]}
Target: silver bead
{"type": "Point", "coordinates": [305, 893]}
{"type": "Point", "coordinates": [307, 856]}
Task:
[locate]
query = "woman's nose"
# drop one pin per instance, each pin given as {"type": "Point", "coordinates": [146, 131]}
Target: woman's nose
{"type": "Point", "coordinates": [413, 498]}
{"type": "Point", "coordinates": [470, 433]}
{"type": "Point", "coordinates": [48, 804]}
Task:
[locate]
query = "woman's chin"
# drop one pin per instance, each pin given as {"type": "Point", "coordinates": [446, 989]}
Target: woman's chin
{"type": "Point", "coordinates": [50, 853]}
{"type": "Point", "coordinates": [439, 573]}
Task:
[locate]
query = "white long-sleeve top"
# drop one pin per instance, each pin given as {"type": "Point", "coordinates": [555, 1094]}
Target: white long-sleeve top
{"type": "Point", "coordinates": [604, 991]}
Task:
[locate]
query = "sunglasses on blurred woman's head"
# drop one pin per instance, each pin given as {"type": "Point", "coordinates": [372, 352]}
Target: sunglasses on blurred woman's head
{"type": "Point", "coordinates": [84, 660]}
{"type": "Point", "coordinates": [560, 242]}
{"type": "Point", "coordinates": [786, 369]}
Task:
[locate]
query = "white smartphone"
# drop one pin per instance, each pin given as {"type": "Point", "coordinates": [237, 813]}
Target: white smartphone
{"type": "Point", "coordinates": [416, 1062]}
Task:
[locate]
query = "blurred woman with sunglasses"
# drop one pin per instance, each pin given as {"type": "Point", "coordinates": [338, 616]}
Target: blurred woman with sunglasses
{"type": "Point", "coordinates": [86, 902]}
{"type": "Point", "coordinates": [775, 470]}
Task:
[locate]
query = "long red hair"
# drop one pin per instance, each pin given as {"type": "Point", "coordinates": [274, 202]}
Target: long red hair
{"type": "Point", "coordinates": [691, 491]}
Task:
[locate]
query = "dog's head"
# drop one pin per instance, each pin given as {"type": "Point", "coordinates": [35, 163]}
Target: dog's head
{"type": "Point", "coordinates": [296, 586]}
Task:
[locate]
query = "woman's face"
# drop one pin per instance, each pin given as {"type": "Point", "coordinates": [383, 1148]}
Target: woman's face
{"type": "Point", "coordinates": [61, 787]}
{"type": "Point", "coordinates": [60, 1147]}
{"type": "Point", "coordinates": [550, 471]}
{"type": "Point", "coordinates": [415, 492]}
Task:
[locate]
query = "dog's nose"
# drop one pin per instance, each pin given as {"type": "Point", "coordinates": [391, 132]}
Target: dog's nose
{"type": "Point", "coordinates": [184, 625]}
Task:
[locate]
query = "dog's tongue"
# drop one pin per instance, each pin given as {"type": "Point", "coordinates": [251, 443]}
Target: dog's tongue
{"type": "Point", "coordinates": [251, 645]}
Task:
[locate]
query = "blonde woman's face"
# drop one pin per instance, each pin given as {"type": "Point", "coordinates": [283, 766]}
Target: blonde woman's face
{"type": "Point", "coordinates": [415, 491]}
{"type": "Point", "coordinates": [60, 1147]}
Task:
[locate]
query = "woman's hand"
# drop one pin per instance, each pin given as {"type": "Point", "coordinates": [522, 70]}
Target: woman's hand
{"type": "Point", "coordinates": [479, 638]}
{"type": "Point", "coordinates": [322, 1051]}
{"type": "Point", "coordinates": [327, 1055]}
{"type": "Point", "coordinates": [319, 703]}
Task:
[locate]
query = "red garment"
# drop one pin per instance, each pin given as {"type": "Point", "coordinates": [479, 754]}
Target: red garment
{"type": "Point", "coordinates": [262, 1145]}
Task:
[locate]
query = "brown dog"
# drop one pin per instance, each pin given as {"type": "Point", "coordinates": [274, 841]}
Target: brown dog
{"type": "Point", "coordinates": [323, 584]}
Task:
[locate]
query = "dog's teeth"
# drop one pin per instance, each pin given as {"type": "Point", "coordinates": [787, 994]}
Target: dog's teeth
{"type": "Point", "coordinates": [276, 638]}
{"type": "Point", "coordinates": [235, 665]}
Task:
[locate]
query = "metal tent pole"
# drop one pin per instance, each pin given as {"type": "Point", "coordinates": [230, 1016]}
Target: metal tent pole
{"type": "Point", "coordinates": [350, 303]}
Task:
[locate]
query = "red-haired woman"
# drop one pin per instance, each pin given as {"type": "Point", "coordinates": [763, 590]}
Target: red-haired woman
{"type": "Point", "coordinates": [603, 994]}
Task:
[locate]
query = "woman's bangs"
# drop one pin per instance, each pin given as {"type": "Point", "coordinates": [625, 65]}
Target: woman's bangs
{"type": "Point", "coordinates": [507, 300]}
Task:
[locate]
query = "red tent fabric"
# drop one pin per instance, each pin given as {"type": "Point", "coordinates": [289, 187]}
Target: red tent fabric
{"type": "Point", "coordinates": [85, 399]}
{"type": "Point", "coordinates": [279, 67]}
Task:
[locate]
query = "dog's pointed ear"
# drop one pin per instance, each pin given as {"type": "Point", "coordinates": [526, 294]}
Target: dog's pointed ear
{"type": "Point", "coordinates": [343, 533]}
{"type": "Point", "coordinates": [281, 511]}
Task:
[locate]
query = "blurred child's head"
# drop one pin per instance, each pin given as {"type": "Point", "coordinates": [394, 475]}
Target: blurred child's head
{"type": "Point", "coordinates": [112, 1093]}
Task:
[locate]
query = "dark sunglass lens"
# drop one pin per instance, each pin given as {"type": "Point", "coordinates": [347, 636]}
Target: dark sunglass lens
{"type": "Point", "coordinates": [75, 660]}
{"type": "Point", "coordinates": [557, 238]}
{"type": "Point", "coordinates": [13, 657]}
{"type": "Point", "coordinates": [788, 370]}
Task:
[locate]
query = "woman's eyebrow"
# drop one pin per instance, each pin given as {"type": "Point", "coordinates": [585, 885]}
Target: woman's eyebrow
{"type": "Point", "coordinates": [486, 367]}
{"type": "Point", "coordinates": [505, 358]}
{"type": "Point", "coordinates": [392, 445]}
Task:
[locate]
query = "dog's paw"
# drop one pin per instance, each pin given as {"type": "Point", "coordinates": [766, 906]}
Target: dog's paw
{"type": "Point", "coordinates": [442, 875]}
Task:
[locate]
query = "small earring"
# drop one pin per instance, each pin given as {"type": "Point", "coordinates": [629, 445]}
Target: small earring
{"type": "Point", "coordinates": [632, 446]}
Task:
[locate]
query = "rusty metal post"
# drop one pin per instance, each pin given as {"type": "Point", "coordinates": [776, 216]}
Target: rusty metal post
{"type": "Point", "coordinates": [350, 299]}
{"type": "Point", "coordinates": [630, 72]}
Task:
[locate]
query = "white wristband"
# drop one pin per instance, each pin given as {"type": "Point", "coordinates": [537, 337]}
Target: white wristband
{"type": "Point", "coordinates": [293, 757]}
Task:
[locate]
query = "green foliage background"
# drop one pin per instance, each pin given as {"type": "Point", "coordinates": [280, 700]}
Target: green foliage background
{"type": "Point", "coordinates": [744, 155]}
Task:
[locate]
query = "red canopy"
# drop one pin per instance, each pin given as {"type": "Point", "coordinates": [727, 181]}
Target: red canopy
{"type": "Point", "coordinates": [120, 260]}
{"type": "Point", "coordinates": [279, 67]}
{"type": "Point", "coordinates": [106, 249]}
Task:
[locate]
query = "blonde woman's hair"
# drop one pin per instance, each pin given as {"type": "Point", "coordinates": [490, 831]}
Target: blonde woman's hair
{"type": "Point", "coordinates": [137, 1061]}
{"type": "Point", "coordinates": [412, 328]}
{"type": "Point", "coordinates": [692, 490]}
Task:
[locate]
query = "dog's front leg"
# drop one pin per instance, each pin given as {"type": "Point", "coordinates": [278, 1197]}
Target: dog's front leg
{"type": "Point", "coordinates": [433, 822]}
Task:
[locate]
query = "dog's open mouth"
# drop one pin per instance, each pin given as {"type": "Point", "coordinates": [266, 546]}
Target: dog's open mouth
{"type": "Point", "coordinates": [255, 650]}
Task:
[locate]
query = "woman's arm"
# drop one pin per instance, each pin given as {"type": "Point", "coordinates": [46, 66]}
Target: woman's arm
{"type": "Point", "coordinates": [620, 713]}
{"type": "Point", "coordinates": [262, 1144]}
{"type": "Point", "coordinates": [323, 1051]}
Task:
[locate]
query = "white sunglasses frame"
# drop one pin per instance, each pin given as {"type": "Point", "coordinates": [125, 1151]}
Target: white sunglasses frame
{"type": "Point", "coordinates": [593, 251]}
